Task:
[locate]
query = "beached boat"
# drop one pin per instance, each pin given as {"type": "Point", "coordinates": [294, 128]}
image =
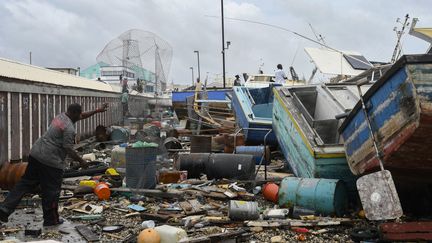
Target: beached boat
{"type": "Point", "coordinates": [305, 124]}
{"type": "Point", "coordinates": [400, 110]}
{"type": "Point", "coordinates": [253, 111]}
{"type": "Point", "coordinates": [179, 100]}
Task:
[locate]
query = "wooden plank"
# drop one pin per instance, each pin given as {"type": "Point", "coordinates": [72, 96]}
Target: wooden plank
{"type": "Point", "coordinates": [87, 233]}
{"type": "Point", "coordinates": [150, 192]}
{"type": "Point", "coordinates": [15, 126]}
{"type": "Point", "coordinates": [3, 128]}
{"type": "Point", "coordinates": [35, 123]}
{"type": "Point", "coordinates": [50, 109]}
{"type": "Point", "coordinates": [25, 124]}
{"type": "Point", "coordinates": [406, 227]}
{"type": "Point", "coordinates": [407, 237]}
{"type": "Point", "coordinates": [157, 217]}
{"type": "Point", "coordinates": [63, 105]}
{"type": "Point", "coordinates": [43, 112]}
{"type": "Point", "coordinates": [57, 105]}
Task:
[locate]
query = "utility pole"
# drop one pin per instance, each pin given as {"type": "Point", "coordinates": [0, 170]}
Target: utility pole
{"type": "Point", "coordinates": [223, 44]}
{"type": "Point", "coordinates": [193, 81]}
{"type": "Point", "coordinates": [30, 59]}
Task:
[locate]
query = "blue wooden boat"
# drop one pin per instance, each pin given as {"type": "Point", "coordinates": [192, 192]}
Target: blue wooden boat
{"type": "Point", "coordinates": [253, 110]}
{"type": "Point", "coordinates": [399, 105]}
{"type": "Point", "coordinates": [307, 130]}
{"type": "Point", "coordinates": [179, 100]}
{"type": "Point", "coordinates": [180, 96]}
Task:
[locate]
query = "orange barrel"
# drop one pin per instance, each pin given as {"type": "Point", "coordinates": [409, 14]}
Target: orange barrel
{"type": "Point", "coordinates": [270, 192]}
{"type": "Point", "coordinates": [11, 173]}
{"type": "Point", "coordinates": [102, 191]}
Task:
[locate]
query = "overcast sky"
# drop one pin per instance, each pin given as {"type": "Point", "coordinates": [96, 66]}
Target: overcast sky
{"type": "Point", "coordinates": [71, 33]}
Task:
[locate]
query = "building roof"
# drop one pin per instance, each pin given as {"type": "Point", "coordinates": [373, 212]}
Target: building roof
{"type": "Point", "coordinates": [17, 70]}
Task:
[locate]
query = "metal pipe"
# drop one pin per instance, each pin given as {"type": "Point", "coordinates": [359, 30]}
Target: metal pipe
{"type": "Point", "coordinates": [193, 81]}
{"type": "Point", "coordinates": [199, 71]}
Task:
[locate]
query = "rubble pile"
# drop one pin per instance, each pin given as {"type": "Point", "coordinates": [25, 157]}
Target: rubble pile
{"type": "Point", "coordinates": [177, 198]}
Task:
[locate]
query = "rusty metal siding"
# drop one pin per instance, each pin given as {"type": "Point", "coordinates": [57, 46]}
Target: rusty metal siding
{"type": "Point", "coordinates": [25, 124]}
{"type": "Point", "coordinates": [27, 111]}
{"type": "Point", "coordinates": [50, 109]}
{"type": "Point", "coordinates": [4, 131]}
{"type": "Point", "coordinates": [43, 112]}
{"type": "Point", "coordinates": [15, 126]}
{"type": "Point", "coordinates": [35, 118]}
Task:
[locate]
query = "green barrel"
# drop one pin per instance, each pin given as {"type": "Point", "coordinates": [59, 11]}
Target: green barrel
{"type": "Point", "coordinates": [325, 196]}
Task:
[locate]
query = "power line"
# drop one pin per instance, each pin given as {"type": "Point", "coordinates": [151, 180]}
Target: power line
{"type": "Point", "coordinates": [291, 31]}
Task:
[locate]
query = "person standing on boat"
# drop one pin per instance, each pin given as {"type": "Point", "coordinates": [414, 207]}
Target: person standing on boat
{"type": "Point", "coordinates": [124, 85]}
{"type": "Point", "coordinates": [125, 102]}
{"type": "Point", "coordinates": [237, 81]}
{"type": "Point", "coordinates": [280, 75]}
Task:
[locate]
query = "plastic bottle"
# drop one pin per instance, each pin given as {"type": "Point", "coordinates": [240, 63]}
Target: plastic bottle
{"type": "Point", "coordinates": [170, 234]}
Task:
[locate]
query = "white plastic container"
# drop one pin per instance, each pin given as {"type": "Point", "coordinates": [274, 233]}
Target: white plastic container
{"type": "Point", "coordinates": [89, 157]}
{"type": "Point", "coordinates": [170, 234]}
{"type": "Point", "coordinates": [118, 157]}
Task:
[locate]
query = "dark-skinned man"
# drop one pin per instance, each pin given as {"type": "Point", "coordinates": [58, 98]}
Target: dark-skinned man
{"type": "Point", "coordinates": [46, 164]}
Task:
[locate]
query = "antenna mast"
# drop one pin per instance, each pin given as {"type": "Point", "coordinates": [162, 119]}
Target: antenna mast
{"type": "Point", "coordinates": [399, 33]}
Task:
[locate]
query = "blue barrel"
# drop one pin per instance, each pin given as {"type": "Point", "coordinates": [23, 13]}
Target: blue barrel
{"type": "Point", "coordinates": [141, 167]}
{"type": "Point", "coordinates": [120, 134]}
{"type": "Point", "coordinates": [256, 151]}
{"type": "Point", "coordinates": [325, 196]}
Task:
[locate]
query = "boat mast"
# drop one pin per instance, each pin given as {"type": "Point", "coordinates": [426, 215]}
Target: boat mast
{"type": "Point", "coordinates": [399, 33]}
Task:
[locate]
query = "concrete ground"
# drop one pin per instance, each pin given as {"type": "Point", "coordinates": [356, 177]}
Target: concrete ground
{"type": "Point", "coordinates": [31, 218]}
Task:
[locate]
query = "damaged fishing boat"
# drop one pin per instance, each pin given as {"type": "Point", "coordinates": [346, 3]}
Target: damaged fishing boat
{"type": "Point", "coordinates": [305, 121]}
{"type": "Point", "coordinates": [253, 110]}
{"type": "Point", "coordinates": [400, 112]}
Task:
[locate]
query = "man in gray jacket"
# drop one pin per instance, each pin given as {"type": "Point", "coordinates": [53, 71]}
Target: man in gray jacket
{"type": "Point", "coordinates": [46, 164]}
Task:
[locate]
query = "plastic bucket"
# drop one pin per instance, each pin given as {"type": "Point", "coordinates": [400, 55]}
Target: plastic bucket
{"type": "Point", "coordinates": [102, 191]}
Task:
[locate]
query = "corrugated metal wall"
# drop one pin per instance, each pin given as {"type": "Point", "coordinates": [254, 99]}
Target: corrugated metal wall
{"type": "Point", "coordinates": [26, 115]}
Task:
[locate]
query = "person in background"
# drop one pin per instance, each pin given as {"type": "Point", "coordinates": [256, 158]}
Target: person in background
{"type": "Point", "coordinates": [237, 81]}
{"type": "Point", "coordinates": [46, 164]}
{"type": "Point", "coordinates": [125, 102]}
{"type": "Point", "coordinates": [280, 75]}
{"type": "Point", "coordinates": [124, 84]}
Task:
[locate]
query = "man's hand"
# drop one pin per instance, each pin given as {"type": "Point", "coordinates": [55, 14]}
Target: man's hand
{"type": "Point", "coordinates": [103, 108]}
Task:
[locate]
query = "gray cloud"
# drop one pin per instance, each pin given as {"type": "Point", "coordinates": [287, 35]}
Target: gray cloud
{"type": "Point", "coordinates": [72, 33]}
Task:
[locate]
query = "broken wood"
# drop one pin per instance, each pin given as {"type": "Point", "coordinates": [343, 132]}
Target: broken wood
{"type": "Point", "coordinates": [298, 223]}
{"type": "Point", "coordinates": [408, 231]}
{"type": "Point", "coordinates": [87, 233]}
{"type": "Point", "coordinates": [10, 230]}
{"type": "Point", "coordinates": [114, 236]}
{"type": "Point", "coordinates": [157, 217]}
{"type": "Point", "coordinates": [150, 192]}
{"type": "Point", "coordinates": [129, 215]}
{"type": "Point", "coordinates": [121, 210]}
{"type": "Point", "coordinates": [75, 205]}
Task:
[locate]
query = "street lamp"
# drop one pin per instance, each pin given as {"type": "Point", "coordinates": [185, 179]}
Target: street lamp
{"type": "Point", "coordinates": [193, 82]}
{"type": "Point", "coordinates": [199, 72]}
{"type": "Point", "coordinates": [223, 43]}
